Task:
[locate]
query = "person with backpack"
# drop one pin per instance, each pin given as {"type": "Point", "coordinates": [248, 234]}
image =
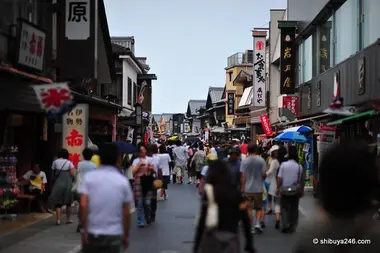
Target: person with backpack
{"type": "Point", "coordinates": [198, 161]}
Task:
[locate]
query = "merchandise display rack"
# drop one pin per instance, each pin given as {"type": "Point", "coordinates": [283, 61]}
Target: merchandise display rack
{"type": "Point", "coordinates": [8, 180]}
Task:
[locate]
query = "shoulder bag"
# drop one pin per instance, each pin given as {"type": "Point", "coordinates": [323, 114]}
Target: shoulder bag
{"type": "Point", "coordinates": [213, 239]}
{"type": "Point", "coordinates": [295, 189]}
{"type": "Point", "coordinates": [59, 172]}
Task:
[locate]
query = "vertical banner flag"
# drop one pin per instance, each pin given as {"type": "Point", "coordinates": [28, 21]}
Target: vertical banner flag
{"type": "Point", "coordinates": [259, 71]}
{"type": "Point", "coordinates": [291, 103]}
{"type": "Point", "coordinates": [264, 119]}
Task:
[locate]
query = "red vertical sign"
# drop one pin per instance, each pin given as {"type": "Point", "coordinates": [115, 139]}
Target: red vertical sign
{"type": "Point", "coordinates": [291, 103]}
{"type": "Point", "coordinates": [264, 119]}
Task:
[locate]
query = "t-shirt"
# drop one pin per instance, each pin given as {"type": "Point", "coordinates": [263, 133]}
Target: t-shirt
{"type": "Point", "coordinates": [181, 155]}
{"type": "Point", "coordinates": [106, 200]}
{"type": "Point", "coordinates": [146, 162]}
{"type": "Point", "coordinates": [254, 168]}
{"type": "Point", "coordinates": [155, 161]}
{"type": "Point", "coordinates": [35, 180]}
{"type": "Point", "coordinates": [164, 160]}
{"type": "Point", "coordinates": [244, 148]}
{"type": "Point", "coordinates": [235, 168]}
{"type": "Point", "coordinates": [62, 164]}
{"type": "Point", "coordinates": [290, 172]}
{"type": "Point", "coordinates": [86, 166]}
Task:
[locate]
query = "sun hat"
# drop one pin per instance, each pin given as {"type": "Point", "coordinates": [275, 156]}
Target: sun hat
{"type": "Point", "coordinates": [273, 148]}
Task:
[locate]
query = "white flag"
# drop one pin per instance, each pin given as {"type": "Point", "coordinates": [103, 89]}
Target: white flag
{"type": "Point", "coordinates": [52, 96]}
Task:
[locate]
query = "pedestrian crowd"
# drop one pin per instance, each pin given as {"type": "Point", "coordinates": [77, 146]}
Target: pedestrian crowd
{"type": "Point", "coordinates": [239, 185]}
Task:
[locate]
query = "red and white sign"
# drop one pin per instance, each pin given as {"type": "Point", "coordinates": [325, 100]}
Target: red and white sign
{"type": "Point", "coordinates": [52, 96]}
{"type": "Point", "coordinates": [114, 132]}
{"type": "Point", "coordinates": [260, 45]}
{"type": "Point", "coordinates": [75, 132]}
{"type": "Point", "coordinates": [291, 103]}
{"type": "Point", "coordinates": [31, 47]}
{"type": "Point", "coordinates": [264, 119]}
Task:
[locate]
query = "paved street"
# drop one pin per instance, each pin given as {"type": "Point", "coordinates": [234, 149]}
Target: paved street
{"type": "Point", "coordinates": [173, 231]}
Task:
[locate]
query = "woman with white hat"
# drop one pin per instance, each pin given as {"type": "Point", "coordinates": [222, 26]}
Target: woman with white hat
{"type": "Point", "coordinates": [271, 179]}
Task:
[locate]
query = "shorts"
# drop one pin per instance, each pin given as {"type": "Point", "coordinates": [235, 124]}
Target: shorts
{"type": "Point", "coordinates": [165, 182]}
{"type": "Point", "coordinates": [179, 170]}
{"type": "Point", "coordinates": [255, 200]}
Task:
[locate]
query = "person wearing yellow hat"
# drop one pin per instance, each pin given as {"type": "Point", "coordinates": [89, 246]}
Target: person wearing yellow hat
{"type": "Point", "coordinates": [209, 159]}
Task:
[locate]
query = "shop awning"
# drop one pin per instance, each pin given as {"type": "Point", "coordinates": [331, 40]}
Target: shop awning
{"type": "Point", "coordinates": [356, 116]}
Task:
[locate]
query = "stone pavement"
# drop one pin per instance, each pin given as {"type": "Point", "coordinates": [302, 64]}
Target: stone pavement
{"type": "Point", "coordinates": [173, 231]}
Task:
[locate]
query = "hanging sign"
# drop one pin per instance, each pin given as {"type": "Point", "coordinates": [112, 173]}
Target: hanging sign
{"type": "Point", "coordinates": [288, 60]}
{"type": "Point", "coordinates": [324, 42]}
{"type": "Point", "coordinates": [75, 132]}
{"type": "Point", "coordinates": [77, 25]}
{"type": "Point", "coordinates": [31, 45]}
{"type": "Point", "coordinates": [231, 103]}
{"type": "Point", "coordinates": [291, 103]}
{"type": "Point", "coordinates": [265, 122]}
{"type": "Point", "coordinates": [361, 76]}
{"type": "Point", "coordinates": [318, 94]}
{"type": "Point", "coordinates": [114, 127]}
{"type": "Point", "coordinates": [259, 71]}
{"type": "Point", "coordinates": [52, 96]}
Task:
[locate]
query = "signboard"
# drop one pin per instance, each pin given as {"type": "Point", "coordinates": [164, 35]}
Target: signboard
{"type": "Point", "coordinates": [75, 132]}
{"type": "Point", "coordinates": [361, 76]}
{"type": "Point", "coordinates": [309, 98]}
{"type": "Point", "coordinates": [231, 103]}
{"type": "Point", "coordinates": [77, 19]}
{"type": "Point", "coordinates": [52, 96]}
{"type": "Point", "coordinates": [324, 42]}
{"type": "Point", "coordinates": [31, 45]}
{"type": "Point", "coordinates": [264, 119]}
{"type": "Point", "coordinates": [318, 94]}
{"type": "Point", "coordinates": [259, 74]}
{"type": "Point", "coordinates": [291, 103]}
{"type": "Point", "coordinates": [288, 60]}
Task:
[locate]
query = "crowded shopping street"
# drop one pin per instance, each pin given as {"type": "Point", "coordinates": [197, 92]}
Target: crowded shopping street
{"type": "Point", "coordinates": [189, 126]}
{"type": "Point", "coordinates": [172, 233]}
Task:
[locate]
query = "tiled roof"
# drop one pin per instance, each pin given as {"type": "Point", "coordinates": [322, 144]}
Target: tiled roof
{"type": "Point", "coordinates": [216, 94]}
{"type": "Point", "coordinates": [194, 105]}
{"type": "Point", "coordinates": [167, 116]}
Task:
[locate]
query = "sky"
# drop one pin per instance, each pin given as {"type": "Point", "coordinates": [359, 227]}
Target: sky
{"type": "Point", "coordinates": [187, 43]}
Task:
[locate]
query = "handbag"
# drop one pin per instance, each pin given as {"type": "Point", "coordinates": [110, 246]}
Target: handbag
{"type": "Point", "coordinates": [292, 190]}
{"type": "Point", "coordinates": [59, 172]}
{"type": "Point", "coordinates": [214, 240]}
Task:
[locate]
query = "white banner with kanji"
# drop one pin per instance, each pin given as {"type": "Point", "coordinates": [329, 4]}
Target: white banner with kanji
{"type": "Point", "coordinates": [52, 96]}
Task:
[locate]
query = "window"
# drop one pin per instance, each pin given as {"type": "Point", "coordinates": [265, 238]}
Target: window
{"type": "Point", "coordinates": [346, 30]}
{"type": "Point", "coordinates": [129, 91]}
{"type": "Point", "coordinates": [230, 76]}
{"type": "Point", "coordinates": [305, 57]}
{"type": "Point", "coordinates": [371, 31]}
{"type": "Point", "coordinates": [134, 93]}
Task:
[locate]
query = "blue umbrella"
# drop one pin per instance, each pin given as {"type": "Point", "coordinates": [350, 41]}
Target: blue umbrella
{"type": "Point", "coordinates": [291, 136]}
{"type": "Point", "coordinates": [125, 147]}
{"type": "Point", "coordinates": [299, 129]}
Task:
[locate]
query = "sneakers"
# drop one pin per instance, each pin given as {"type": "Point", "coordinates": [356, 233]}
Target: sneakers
{"type": "Point", "coordinates": [262, 224]}
{"type": "Point", "coordinates": [258, 229]}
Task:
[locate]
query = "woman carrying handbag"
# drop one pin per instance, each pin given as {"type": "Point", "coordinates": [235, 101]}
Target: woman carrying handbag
{"type": "Point", "coordinates": [222, 209]}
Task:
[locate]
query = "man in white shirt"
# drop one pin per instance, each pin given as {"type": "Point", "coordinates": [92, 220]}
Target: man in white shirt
{"type": "Point", "coordinates": [105, 205]}
{"type": "Point", "coordinates": [36, 179]}
{"type": "Point", "coordinates": [181, 157]}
